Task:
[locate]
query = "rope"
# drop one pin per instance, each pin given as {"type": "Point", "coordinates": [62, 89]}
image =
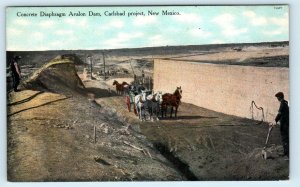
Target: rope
{"type": "Point", "coordinates": [259, 108]}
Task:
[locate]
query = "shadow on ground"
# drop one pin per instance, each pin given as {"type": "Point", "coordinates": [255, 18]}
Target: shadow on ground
{"type": "Point", "coordinates": [187, 117]}
{"type": "Point", "coordinates": [100, 93]}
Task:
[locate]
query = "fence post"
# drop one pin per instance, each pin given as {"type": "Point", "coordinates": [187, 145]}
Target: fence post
{"type": "Point", "coordinates": [94, 134]}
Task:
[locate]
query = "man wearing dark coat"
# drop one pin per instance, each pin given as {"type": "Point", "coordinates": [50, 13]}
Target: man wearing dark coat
{"type": "Point", "coordinates": [15, 72]}
{"type": "Point", "coordinates": [283, 118]}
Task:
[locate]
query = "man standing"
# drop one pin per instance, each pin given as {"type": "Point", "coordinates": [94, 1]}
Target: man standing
{"type": "Point", "coordinates": [283, 118]}
{"type": "Point", "coordinates": [16, 72]}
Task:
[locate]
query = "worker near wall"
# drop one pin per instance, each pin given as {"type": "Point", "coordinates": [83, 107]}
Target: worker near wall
{"type": "Point", "coordinates": [15, 72]}
{"type": "Point", "coordinates": [283, 118]}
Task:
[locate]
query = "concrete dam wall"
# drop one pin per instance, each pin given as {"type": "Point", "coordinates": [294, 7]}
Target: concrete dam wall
{"type": "Point", "coordinates": [229, 89]}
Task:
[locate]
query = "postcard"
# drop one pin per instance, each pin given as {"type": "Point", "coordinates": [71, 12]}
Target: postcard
{"type": "Point", "coordinates": [147, 93]}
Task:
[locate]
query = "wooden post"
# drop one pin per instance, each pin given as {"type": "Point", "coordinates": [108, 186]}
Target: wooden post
{"type": "Point", "coordinates": [91, 64]}
{"type": "Point", "coordinates": [132, 67]}
{"type": "Point", "coordinates": [134, 79]}
{"type": "Point", "coordinates": [143, 77]}
{"type": "Point", "coordinates": [94, 134]}
{"type": "Point", "coordinates": [104, 65]}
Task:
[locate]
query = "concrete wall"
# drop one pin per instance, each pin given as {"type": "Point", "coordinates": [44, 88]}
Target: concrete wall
{"type": "Point", "coordinates": [229, 89]}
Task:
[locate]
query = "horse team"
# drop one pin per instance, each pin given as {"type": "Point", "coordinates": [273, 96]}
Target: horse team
{"type": "Point", "coordinates": [147, 103]}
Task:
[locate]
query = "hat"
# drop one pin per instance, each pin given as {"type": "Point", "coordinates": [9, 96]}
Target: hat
{"type": "Point", "coordinates": [17, 57]}
{"type": "Point", "coordinates": [280, 95]}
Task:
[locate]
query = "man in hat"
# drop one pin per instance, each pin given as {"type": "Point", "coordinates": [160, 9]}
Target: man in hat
{"type": "Point", "coordinates": [283, 118]}
{"type": "Point", "coordinates": [16, 72]}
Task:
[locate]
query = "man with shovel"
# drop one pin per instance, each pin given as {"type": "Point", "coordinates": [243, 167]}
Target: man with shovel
{"type": "Point", "coordinates": [283, 118]}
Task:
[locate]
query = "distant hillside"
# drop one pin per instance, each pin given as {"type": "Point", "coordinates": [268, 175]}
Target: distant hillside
{"type": "Point", "coordinates": [170, 49]}
{"type": "Point", "coordinates": [39, 58]}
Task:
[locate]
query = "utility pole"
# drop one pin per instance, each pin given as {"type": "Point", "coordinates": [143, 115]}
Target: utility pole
{"type": "Point", "coordinates": [91, 68]}
{"type": "Point", "coordinates": [88, 61]}
{"type": "Point", "coordinates": [91, 65]}
{"type": "Point", "coordinates": [104, 64]}
{"type": "Point", "coordinates": [134, 75]}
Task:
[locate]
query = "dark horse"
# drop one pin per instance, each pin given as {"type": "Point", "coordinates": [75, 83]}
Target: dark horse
{"type": "Point", "coordinates": [120, 87]}
{"type": "Point", "coordinates": [172, 100]}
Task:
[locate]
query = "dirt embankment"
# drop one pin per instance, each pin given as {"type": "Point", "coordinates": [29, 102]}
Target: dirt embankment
{"type": "Point", "coordinates": [58, 76]}
{"type": "Point", "coordinates": [63, 136]}
{"type": "Point", "coordinates": [207, 145]}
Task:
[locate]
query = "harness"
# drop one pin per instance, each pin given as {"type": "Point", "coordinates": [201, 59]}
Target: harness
{"type": "Point", "coordinates": [140, 99]}
{"type": "Point", "coordinates": [153, 98]}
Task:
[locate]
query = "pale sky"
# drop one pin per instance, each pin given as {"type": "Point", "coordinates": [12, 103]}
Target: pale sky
{"type": "Point", "coordinates": [195, 25]}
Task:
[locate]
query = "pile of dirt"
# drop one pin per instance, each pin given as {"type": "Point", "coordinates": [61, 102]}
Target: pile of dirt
{"type": "Point", "coordinates": [77, 61]}
{"type": "Point", "coordinates": [58, 76]}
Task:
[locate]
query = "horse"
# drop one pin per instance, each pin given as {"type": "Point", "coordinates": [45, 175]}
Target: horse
{"type": "Point", "coordinates": [125, 83]}
{"type": "Point", "coordinates": [140, 88]}
{"type": "Point", "coordinates": [119, 87]}
{"type": "Point", "coordinates": [140, 101]}
{"type": "Point", "coordinates": [126, 87]}
{"type": "Point", "coordinates": [172, 100]}
{"type": "Point", "coordinates": [153, 103]}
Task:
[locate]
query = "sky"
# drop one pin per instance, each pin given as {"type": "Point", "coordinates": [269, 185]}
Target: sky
{"type": "Point", "coordinates": [195, 25]}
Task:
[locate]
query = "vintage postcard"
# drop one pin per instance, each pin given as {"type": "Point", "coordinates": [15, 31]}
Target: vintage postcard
{"type": "Point", "coordinates": [147, 93]}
